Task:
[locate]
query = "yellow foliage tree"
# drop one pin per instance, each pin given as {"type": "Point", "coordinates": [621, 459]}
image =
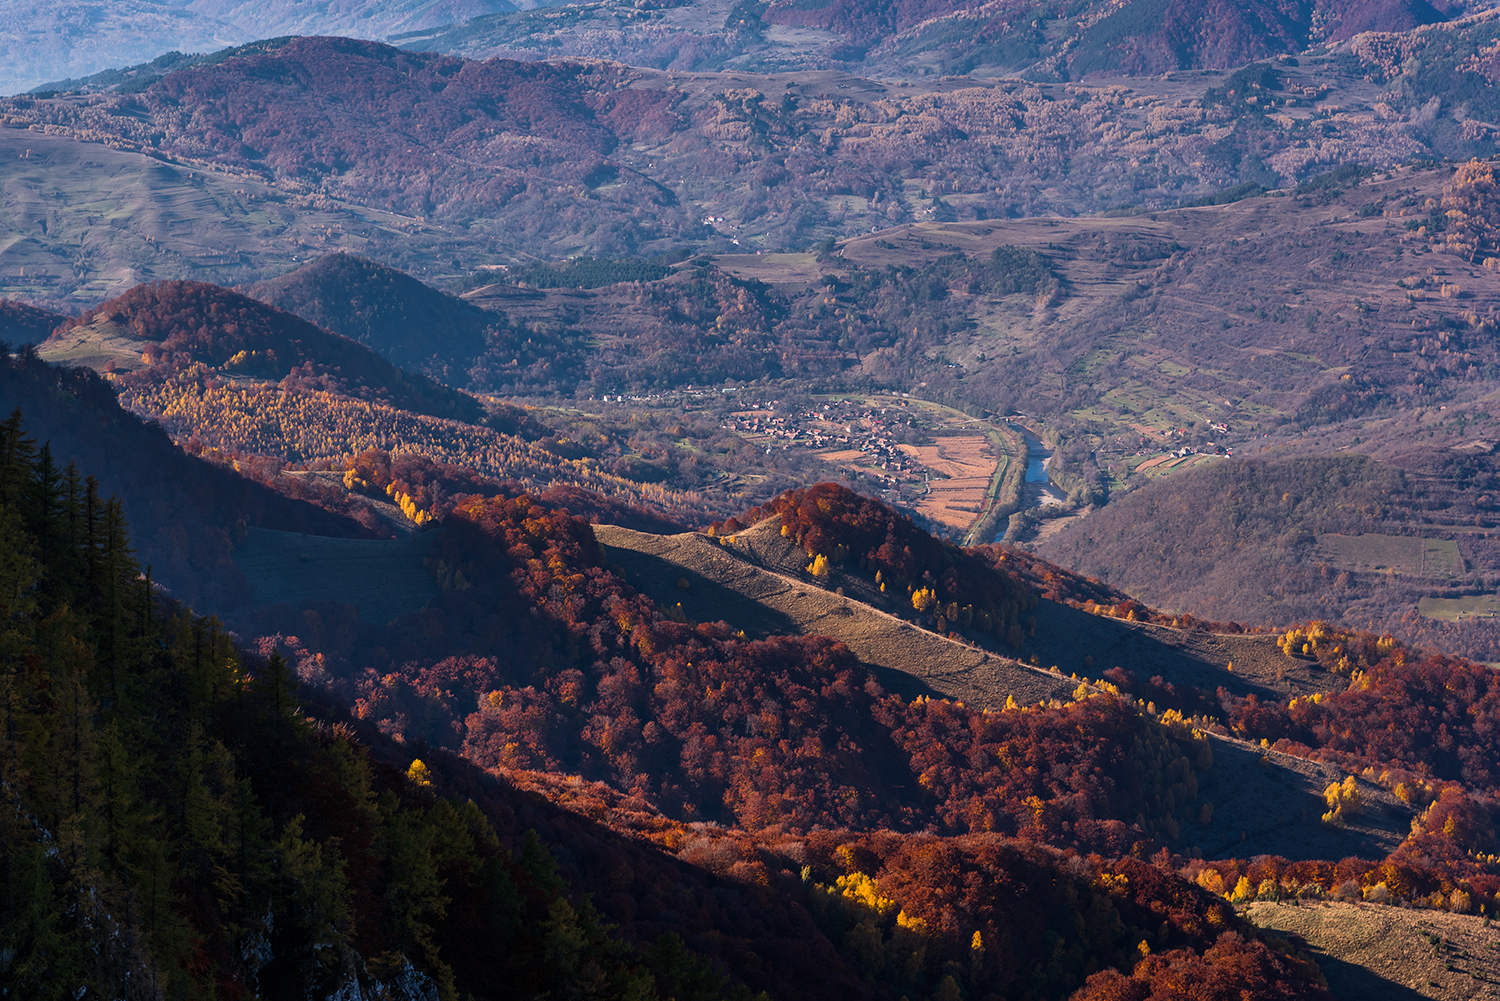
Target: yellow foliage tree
{"type": "Point", "coordinates": [819, 566]}
{"type": "Point", "coordinates": [1343, 799]}
{"type": "Point", "coordinates": [1473, 209]}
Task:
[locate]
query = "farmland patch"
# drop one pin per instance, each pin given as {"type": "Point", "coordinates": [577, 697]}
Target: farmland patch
{"type": "Point", "coordinates": [1402, 554]}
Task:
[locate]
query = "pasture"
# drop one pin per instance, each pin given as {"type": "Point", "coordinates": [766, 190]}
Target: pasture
{"type": "Point", "coordinates": [1470, 606]}
{"type": "Point", "coordinates": [1401, 554]}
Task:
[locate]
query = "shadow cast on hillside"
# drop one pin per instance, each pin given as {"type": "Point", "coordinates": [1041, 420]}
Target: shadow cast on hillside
{"type": "Point", "coordinates": [1349, 981]}
{"type": "Point", "coordinates": [700, 598]}
{"type": "Point", "coordinates": [1273, 805]}
{"type": "Point", "coordinates": [706, 600]}
{"type": "Point", "coordinates": [1077, 641]}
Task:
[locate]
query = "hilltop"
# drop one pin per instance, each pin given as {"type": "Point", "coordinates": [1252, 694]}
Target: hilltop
{"type": "Point", "coordinates": [186, 330]}
{"type": "Point", "coordinates": [119, 32]}
{"type": "Point", "coordinates": [912, 40]}
{"type": "Point", "coordinates": [410, 324]}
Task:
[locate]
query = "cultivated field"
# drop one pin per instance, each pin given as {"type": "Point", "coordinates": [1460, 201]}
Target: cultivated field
{"type": "Point", "coordinates": [784, 272]}
{"type": "Point", "coordinates": [1402, 554]}
{"type": "Point", "coordinates": [382, 578]}
{"type": "Point", "coordinates": [1472, 606]}
{"type": "Point", "coordinates": [968, 464]}
{"type": "Point", "coordinates": [1373, 952]}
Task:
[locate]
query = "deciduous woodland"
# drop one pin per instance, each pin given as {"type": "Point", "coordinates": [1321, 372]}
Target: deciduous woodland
{"type": "Point", "coordinates": [860, 501]}
{"type": "Point", "coordinates": [189, 815]}
{"type": "Point", "coordinates": [878, 831]}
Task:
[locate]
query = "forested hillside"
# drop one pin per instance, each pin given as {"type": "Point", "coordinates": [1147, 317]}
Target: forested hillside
{"type": "Point", "coordinates": [1048, 453]}
{"type": "Point", "coordinates": [23, 324]}
{"type": "Point", "coordinates": [186, 823]}
{"type": "Point", "coordinates": [1276, 540]}
{"type": "Point", "coordinates": [185, 514]}
{"type": "Point", "coordinates": [192, 332]}
{"type": "Point", "coordinates": [406, 322]}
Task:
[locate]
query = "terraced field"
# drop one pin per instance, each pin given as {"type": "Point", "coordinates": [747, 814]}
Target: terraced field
{"type": "Point", "coordinates": [1473, 606]}
{"type": "Point", "coordinates": [1416, 557]}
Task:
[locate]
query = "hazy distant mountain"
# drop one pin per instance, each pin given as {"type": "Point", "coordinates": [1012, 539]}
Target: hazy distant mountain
{"type": "Point", "coordinates": [904, 39]}
{"type": "Point", "coordinates": [41, 42]}
{"type": "Point", "coordinates": [1136, 36]}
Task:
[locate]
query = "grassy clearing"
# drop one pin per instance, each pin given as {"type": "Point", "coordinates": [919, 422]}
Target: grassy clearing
{"type": "Point", "coordinates": [1473, 606]}
{"type": "Point", "coordinates": [781, 270]}
{"type": "Point", "coordinates": [723, 584]}
{"type": "Point", "coordinates": [1374, 951]}
{"type": "Point", "coordinates": [1401, 554]}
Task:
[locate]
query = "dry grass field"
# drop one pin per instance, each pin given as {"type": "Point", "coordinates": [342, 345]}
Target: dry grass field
{"type": "Point", "coordinates": [96, 346]}
{"type": "Point", "coordinates": [967, 463]}
{"type": "Point", "coordinates": [1416, 557]}
{"type": "Point", "coordinates": [1372, 952]}
{"type": "Point", "coordinates": [721, 584]}
{"type": "Point", "coordinates": [1471, 606]}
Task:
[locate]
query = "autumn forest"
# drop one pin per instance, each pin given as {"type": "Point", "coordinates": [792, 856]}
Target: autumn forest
{"type": "Point", "coordinates": [675, 501]}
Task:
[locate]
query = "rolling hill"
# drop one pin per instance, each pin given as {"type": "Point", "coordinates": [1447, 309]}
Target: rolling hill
{"type": "Point", "coordinates": [917, 38]}
{"type": "Point", "coordinates": [1279, 538]}
{"type": "Point", "coordinates": [157, 333]}
{"type": "Point", "coordinates": [408, 323]}
{"type": "Point", "coordinates": [495, 161]}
